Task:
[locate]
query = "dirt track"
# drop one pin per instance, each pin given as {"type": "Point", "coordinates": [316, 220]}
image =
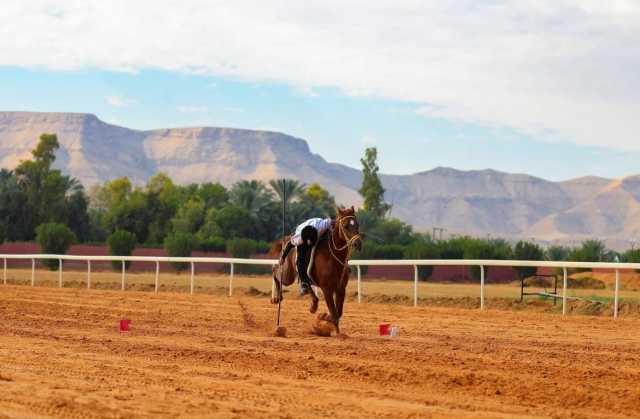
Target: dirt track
{"type": "Point", "coordinates": [203, 355]}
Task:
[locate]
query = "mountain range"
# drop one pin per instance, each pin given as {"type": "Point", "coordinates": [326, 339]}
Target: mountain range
{"type": "Point", "coordinates": [478, 202]}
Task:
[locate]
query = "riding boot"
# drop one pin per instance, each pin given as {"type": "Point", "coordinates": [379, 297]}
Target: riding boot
{"type": "Point", "coordinates": [285, 251]}
{"type": "Point", "coordinates": [301, 264]}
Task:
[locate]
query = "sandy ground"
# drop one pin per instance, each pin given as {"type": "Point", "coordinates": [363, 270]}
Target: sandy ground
{"type": "Point", "coordinates": [61, 355]}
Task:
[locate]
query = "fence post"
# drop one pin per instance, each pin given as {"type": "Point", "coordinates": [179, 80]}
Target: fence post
{"type": "Point", "coordinates": [481, 287]}
{"type": "Point", "coordinates": [231, 282]}
{"type": "Point", "coordinates": [359, 285]}
{"type": "Point", "coordinates": [615, 297]}
{"type": "Point", "coordinates": [33, 272]}
{"type": "Point", "coordinates": [88, 273]}
{"type": "Point", "coordinates": [157, 277]}
{"type": "Point", "coordinates": [123, 270]}
{"type": "Point", "coordinates": [415, 285]}
{"type": "Point", "coordinates": [193, 279]}
{"type": "Point", "coordinates": [564, 291]}
{"type": "Point", "coordinates": [59, 273]}
{"type": "Point", "coordinates": [4, 274]}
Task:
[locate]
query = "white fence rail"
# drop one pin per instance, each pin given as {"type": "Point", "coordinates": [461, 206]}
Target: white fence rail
{"type": "Point", "coordinates": [415, 263]}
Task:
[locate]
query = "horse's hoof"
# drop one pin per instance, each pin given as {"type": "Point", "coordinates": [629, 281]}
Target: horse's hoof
{"type": "Point", "coordinates": [274, 300]}
{"type": "Point", "coordinates": [323, 328]}
{"type": "Point", "coordinates": [342, 336]}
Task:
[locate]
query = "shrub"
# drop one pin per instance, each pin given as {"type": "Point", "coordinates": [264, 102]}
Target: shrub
{"type": "Point", "coordinates": [586, 282]}
{"type": "Point", "coordinates": [54, 238]}
{"type": "Point", "coordinates": [452, 248]}
{"type": "Point", "coordinates": [3, 234]}
{"type": "Point", "coordinates": [263, 247]}
{"type": "Point", "coordinates": [632, 256]}
{"type": "Point", "coordinates": [366, 253]}
{"type": "Point", "coordinates": [212, 244]}
{"type": "Point", "coordinates": [422, 250]}
{"type": "Point", "coordinates": [389, 251]}
{"type": "Point", "coordinates": [241, 248]}
{"type": "Point", "coordinates": [527, 251]}
{"type": "Point", "coordinates": [121, 243]}
{"type": "Point", "coordinates": [179, 245]}
{"type": "Point", "coordinates": [590, 251]}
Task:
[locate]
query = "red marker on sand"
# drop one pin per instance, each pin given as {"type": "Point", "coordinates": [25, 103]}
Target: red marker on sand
{"type": "Point", "coordinates": [124, 325]}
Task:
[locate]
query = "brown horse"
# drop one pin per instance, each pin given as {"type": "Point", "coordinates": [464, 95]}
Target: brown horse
{"type": "Point", "coordinates": [330, 270]}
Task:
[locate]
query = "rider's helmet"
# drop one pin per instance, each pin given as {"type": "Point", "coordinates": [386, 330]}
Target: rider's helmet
{"type": "Point", "coordinates": [309, 235]}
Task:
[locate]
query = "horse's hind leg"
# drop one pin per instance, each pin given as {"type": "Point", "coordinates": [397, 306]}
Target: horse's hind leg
{"type": "Point", "coordinates": [314, 301]}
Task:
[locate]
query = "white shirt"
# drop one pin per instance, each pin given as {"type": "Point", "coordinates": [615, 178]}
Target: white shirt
{"type": "Point", "coordinates": [320, 224]}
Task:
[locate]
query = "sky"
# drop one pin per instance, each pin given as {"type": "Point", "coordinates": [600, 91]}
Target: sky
{"type": "Point", "coordinates": [549, 88]}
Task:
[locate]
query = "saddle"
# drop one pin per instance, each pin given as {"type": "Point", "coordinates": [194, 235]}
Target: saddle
{"type": "Point", "coordinates": [287, 272]}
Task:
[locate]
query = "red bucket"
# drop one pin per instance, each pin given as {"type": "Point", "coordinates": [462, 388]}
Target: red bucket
{"type": "Point", "coordinates": [124, 325]}
{"type": "Point", "coordinates": [385, 329]}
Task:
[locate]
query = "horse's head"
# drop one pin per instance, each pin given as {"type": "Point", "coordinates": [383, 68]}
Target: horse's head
{"type": "Point", "coordinates": [348, 226]}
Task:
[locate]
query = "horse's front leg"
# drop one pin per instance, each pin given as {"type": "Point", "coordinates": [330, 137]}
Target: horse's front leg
{"type": "Point", "coordinates": [331, 305]}
{"type": "Point", "coordinates": [340, 295]}
{"type": "Point", "coordinates": [314, 301]}
{"type": "Point", "coordinates": [275, 299]}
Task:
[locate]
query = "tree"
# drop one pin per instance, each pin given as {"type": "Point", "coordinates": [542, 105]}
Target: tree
{"type": "Point", "coordinates": [13, 203]}
{"type": "Point", "coordinates": [287, 190]}
{"type": "Point", "coordinates": [590, 251]}
{"type": "Point", "coordinates": [162, 200]}
{"type": "Point", "coordinates": [371, 189]}
{"type": "Point", "coordinates": [77, 215]}
{"type": "Point", "coordinates": [319, 200]}
{"type": "Point", "coordinates": [179, 245]}
{"type": "Point", "coordinates": [557, 253]}
{"type": "Point", "coordinates": [43, 187]}
{"type": "Point", "coordinates": [121, 243]}
{"type": "Point", "coordinates": [213, 195]}
{"type": "Point", "coordinates": [251, 195]}
{"type": "Point", "coordinates": [234, 222]}
{"type": "Point", "coordinates": [49, 196]}
{"type": "Point", "coordinates": [190, 217]}
{"type": "Point", "coordinates": [130, 214]}
{"type": "Point", "coordinates": [291, 192]}
{"type": "Point", "coordinates": [527, 251]}
{"type": "Point", "coordinates": [631, 256]}
{"type": "Point", "coordinates": [452, 248]}
{"type": "Point", "coordinates": [392, 231]}
{"type": "Point", "coordinates": [485, 249]}
{"type": "Point", "coordinates": [423, 249]}
{"type": "Point", "coordinates": [54, 238]}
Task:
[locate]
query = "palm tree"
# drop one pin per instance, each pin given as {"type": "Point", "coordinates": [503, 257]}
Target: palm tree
{"type": "Point", "coordinates": [251, 195]}
{"type": "Point", "coordinates": [287, 189]}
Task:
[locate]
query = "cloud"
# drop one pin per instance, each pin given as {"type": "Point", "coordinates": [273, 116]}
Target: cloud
{"type": "Point", "coordinates": [119, 101]}
{"type": "Point", "coordinates": [192, 109]}
{"type": "Point", "coordinates": [556, 69]}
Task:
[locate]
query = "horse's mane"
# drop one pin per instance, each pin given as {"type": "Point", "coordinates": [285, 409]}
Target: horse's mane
{"type": "Point", "coordinates": [276, 247]}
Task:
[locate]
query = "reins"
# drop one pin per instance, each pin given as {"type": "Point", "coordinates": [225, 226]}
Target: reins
{"type": "Point", "coordinates": [349, 243]}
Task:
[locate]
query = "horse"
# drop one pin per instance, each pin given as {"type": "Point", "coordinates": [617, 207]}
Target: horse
{"type": "Point", "coordinates": [330, 270]}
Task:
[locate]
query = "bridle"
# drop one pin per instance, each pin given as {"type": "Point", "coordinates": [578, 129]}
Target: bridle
{"type": "Point", "coordinates": [349, 242]}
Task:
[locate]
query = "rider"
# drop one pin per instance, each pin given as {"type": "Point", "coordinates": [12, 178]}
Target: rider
{"type": "Point", "coordinates": [303, 240]}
